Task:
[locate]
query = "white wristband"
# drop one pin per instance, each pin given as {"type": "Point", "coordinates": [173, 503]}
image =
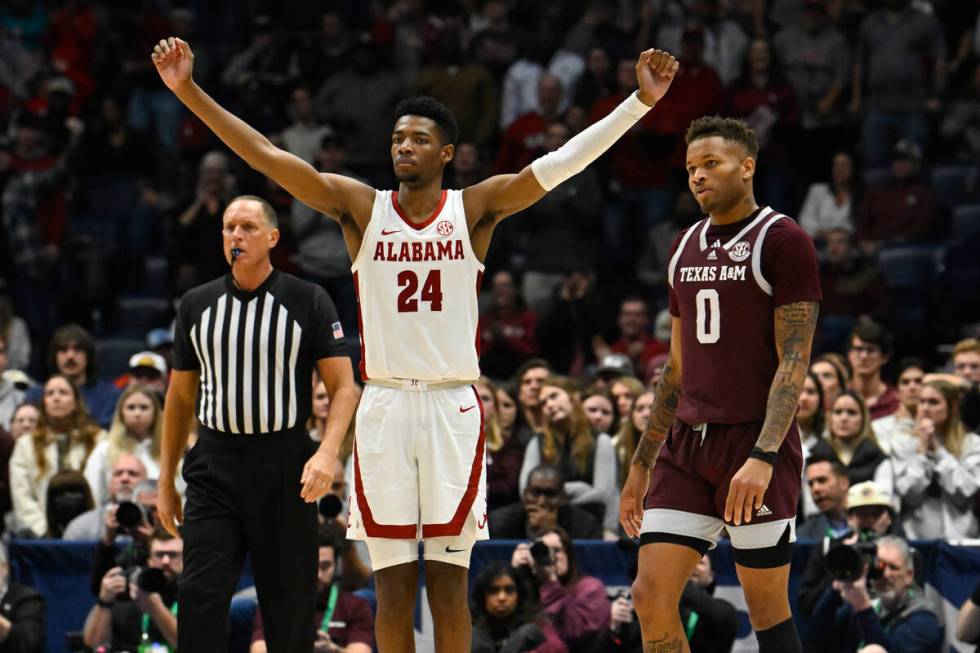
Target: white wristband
{"type": "Point", "coordinates": [587, 146]}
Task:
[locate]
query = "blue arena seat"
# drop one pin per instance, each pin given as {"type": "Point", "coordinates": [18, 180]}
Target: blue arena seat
{"type": "Point", "coordinates": [950, 183]}
{"type": "Point", "coordinates": [112, 355]}
{"type": "Point", "coordinates": [137, 315]}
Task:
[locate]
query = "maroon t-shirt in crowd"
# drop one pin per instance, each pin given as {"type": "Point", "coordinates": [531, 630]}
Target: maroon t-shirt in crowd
{"type": "Point", "coordinates": [352, 621]}
{"type": "Point", "coordinates": [725, 283]}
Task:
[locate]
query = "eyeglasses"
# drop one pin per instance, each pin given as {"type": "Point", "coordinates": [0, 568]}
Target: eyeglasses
{"type": "Point", "coordinates": [173, 555]}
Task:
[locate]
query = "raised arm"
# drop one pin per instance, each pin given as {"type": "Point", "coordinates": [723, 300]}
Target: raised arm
{"type": "Point", "coordinates": [332, 195]}
{"type": "Point", "coordinates": [794, 326]}
{"type": "Point", "coordinates": [666, 397]}
{"type": "Point", "coordinates": [502, 195]}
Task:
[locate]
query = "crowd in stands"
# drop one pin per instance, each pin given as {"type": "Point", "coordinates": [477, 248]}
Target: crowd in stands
{"type": "Point", "coordinates": [111, 196]}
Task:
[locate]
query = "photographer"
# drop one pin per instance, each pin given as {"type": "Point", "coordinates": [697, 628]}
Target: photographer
{"type": "Point", "coordinates": [22, 614]}
{"type": "Point", "coordinates": [899, 617]}
{"type": "Point", "coordinates": [543, 506]}
{"type": "Point", "coordinates": [129, 524]}
{"type": "Point", "coordinates": [506, 615]}
{"type": "Point", "coordinates": [576, 604]}
{"type": "Point", "coordinates": [870, 514]}
{"type": "Point", "coordinates": [710, 623]}
{"type": "Point", "coordinates": [127, 473]}
{"type": "Point", "coordinates": [149, 620]}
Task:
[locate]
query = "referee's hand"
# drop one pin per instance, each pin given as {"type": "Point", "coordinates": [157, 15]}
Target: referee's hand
{"type": "Point", "coordinates": [317, 476]}
{"type": "Point", "coordinates": [169, 510]}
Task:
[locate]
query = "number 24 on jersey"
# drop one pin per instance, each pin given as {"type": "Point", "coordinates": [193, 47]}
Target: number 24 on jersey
{"type": "Point", "coordinates": [408, 281]}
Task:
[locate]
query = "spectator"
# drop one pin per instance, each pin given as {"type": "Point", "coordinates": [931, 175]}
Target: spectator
{"type": "Point", "coordinates": [892, 80]}
{"type": "Point", "coordinates": [11, 396]}
{"type": "Point", "coordinates": [902, 621]}
{"type": "Point", "coordinates": [937, 473]}
{"type": "Point", "coordinates": [635, 339]}
{"type": "Point", "coordinates": [575, 604]}
{"type": "Point", "coordinates": [966, 375]}
{"type": "Point", "coordinates": [710, 623]}
{"type": "Point", "coordinates": [903, 208]}
{"type": "Point", "coordinates": [196, 254]}
{"type": "Point", "coordinates": [834, 376]}
{"type": "Point", "coordinates": [149, 621]}
{"type": "Point", "coordinates": [625, 389]}
{"type": "Point", "coordinates": [23, 420]}
{"type": "Point", "coordinates": [587, 461]}
{"type": "Point", "coordinates": [161, 341]}
{"type": "Point", "coordinates": [530, 376]}
{"type": "Point", "coordinates": [600, 409]}
{"type": "Point", "coordinates": [968, 621]}
{"type": "Point", "coordinates": [265, 60]}
{"type": "Point", "coordinates": [870, 515]}
{"type": "Point", "coordinates": [136, 428]}
{"type": "Point", "coordinates": [851, 442]}
{"type": "Point", "coordinates": [561, 229]}
{"type": "Point", "coordinates": [507, 414]}
{"type": "Point", "coordinates": [468, 167]}
{"type": "Point", "coordinates": [811, 419]}
{"type": "Point", "coordinates": [127, 474]}
{"type": "Point", "coordinates": [869, 349]}
{"type": "Point", "coordinates": [853, 289]}
{"type": "Point", "coordinates": [504, 614]}
{"type": "Point", "coordinates": [304, 136]}
{"type": "Point", "coordinates": [22, 614]}
{"type": "Point", "coordinates": [830, 207]}
{"type": "Point", "coordinates": [568, 328]}
{"type": "Point", "coordinates": [505, 451]}
{"type": "Point", "coordinates": [816, 57]}
{"type": "Point", "coordinates": [525, 138]}
{"type": "Point", "coordinates": [147, 369]}
{"type": "Point", "coordinates": [543, 506]}
{"type": "Point", "coordinates": [323, 53]}
{"type": "Point", "coordinates": [506, 329]}
{"type": "Point", "coordinates": [900, 425]}
{"type": "Point", "coordinates": [960, 125]}
{"type": "Point", "coordinates": [64, 438]}
{"type": "Point", "coordinates": [14, 332]}
{"type": "Point", "coordinates": [597, 80]}
{"type": "Point", "coordinates": [724, 41]}
{"type": "Point", "coordinates": [629, 434]}
{"type": "Point", "coordinates": [828, 484]}
{"type": "Point", "coordinates": [344, 622]}
{"type": "Point", "coordinates": [320, 411]}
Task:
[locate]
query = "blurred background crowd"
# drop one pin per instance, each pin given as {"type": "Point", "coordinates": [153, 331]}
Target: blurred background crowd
{"type": "Point", "coordinates": [111, 197]}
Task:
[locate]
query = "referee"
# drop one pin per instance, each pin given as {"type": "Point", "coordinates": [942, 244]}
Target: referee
{"type": "Point", "coordinates": [244, 350]}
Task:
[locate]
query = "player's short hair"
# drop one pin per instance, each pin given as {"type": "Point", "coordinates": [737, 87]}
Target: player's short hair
{"type": "Point", "coordinates": [967, 346]}
{"type": "Point", "coordinates": [835, 465]}
{"type": "Point", "coordinates": [731, 129]}
{"type": "Point", "coordinates": [268, 212]}
{"type": "Point", "coordinates": [433, 109]}
{"type": "Point", "coordinates": [875, 334]}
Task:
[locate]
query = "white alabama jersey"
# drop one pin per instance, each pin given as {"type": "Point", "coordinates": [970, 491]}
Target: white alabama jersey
{"type": "Point", "coordinates": [417, 293]}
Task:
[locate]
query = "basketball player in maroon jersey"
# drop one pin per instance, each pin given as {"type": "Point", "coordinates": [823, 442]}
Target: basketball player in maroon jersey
{"type": "Point", "coordinates": [722, 450]}
{"type": "Point", "coordinates": [422, 144]}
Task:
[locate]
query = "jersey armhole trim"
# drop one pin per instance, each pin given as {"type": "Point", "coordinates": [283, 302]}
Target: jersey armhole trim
{"type": "Point", "coordinates": [677, 253]}
{"type": "Point", "coordinates": [757, 254]}
{"type": "Point", "coordinates": [378, 194]}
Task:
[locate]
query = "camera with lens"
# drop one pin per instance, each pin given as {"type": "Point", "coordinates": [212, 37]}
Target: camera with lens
{"type": "Point", "coordinates": [541, 554]}
{"type": "Point", "coordinates": [845, 562]}
{"type": "Point", "coordinates": [129, 515]}
{"type": "Point", "coordinates": [148, 579]}
{"type": "Point", "coordinates": [330, 506]}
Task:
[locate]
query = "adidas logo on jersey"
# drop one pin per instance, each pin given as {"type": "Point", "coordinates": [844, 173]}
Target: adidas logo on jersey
{"type": "Point", "coordinates": [712, 256]}
{"type": "Point", "coordinates": [717, 243]}
{"type": "Point", "coordinates": [763, 511]}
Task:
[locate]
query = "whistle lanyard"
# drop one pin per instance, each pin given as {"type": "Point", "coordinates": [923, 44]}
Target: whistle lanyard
{"type": "Point", "coordinates": [331, 604]}
{"type": "Point", "coordinates": [145, 636]}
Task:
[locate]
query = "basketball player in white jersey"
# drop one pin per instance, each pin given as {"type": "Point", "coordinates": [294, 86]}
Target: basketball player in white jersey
{"type": "Point", "coordinates": [417, 259]}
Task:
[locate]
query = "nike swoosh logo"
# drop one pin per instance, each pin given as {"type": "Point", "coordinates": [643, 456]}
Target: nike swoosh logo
{"type": "Point", "coordinates": [448, 550]}
{"type": "Point", "coordinates": [463, 410]}
{"type": "Point", "coordinates": [385, 232]}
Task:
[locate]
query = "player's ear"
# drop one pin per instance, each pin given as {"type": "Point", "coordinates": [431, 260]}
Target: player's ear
{"type": "Point", "coordinates": [748, 168]}
{"type": "Point", "coordinates": [448, 151]}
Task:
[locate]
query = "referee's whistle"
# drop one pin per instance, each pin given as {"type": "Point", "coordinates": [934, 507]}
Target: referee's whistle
{"type": "Point", "coordinates": [235, 253]}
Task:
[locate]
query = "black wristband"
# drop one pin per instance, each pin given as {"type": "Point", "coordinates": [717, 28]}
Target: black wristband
{"type": "Point", "coordinates": [764, 456]}
{"type": "Point", "coordinates": [103, 604]}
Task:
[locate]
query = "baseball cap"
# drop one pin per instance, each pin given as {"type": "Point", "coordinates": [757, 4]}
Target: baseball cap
{"type": "Point", "coordinates": [61, 85]}
{"type": "Point", "coordinates": [615, 364]}
{"type": "Point", "coordinates": [159, 337]}
{"type": "Point", "coordinates": [19, 378]}
{"type": "Point", "coordinates": [148, 359]}
{"type": "Point", "coordinates": [906, 149]}
{"type": "Point", "coordinates": [868, 493]}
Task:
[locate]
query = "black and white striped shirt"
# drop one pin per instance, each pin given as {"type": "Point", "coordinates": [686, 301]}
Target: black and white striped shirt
{"type": "Point", "coordinates": [256, 350]}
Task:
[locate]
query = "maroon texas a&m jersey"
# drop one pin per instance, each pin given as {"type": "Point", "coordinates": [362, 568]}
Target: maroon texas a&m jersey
{"type": "Point", "coordinates": [725, 283]}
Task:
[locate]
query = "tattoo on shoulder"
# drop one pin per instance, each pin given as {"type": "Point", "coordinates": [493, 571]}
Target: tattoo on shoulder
{"type": "Point", "coordinates": [665, 644]}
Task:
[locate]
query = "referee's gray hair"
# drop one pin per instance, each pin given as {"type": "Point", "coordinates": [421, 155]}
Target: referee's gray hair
{"type": "Point", "coordinates": [902, 546]}
{"type": "Point", "coordinates": [267, 209]}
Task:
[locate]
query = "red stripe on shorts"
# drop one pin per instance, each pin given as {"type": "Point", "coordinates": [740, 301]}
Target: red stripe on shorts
{"type": "Point", "coordinates": [371, 527]}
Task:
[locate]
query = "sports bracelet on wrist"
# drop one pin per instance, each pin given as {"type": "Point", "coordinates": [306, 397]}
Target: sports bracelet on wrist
{"type": "Point", "coordinates": [764, 456]}
{"type": "Point", "coordinates": [103, 604]}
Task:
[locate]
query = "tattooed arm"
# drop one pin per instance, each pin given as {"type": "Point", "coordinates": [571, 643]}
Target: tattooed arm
{"type": "Point", "coordinates": [794, 327]}
{"type": "Point", "coordinates": [666, 398]}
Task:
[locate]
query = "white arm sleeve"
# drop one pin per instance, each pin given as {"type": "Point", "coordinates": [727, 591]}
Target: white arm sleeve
{"type": "Point", "coordinates": [587, 146]}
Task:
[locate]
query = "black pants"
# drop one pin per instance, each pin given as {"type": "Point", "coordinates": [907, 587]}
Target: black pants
{"type": "Point", "coordinates": [243, 497]}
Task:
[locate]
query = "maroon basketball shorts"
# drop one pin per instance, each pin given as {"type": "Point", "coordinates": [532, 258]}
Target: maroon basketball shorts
{"type": "Point", "coordinates": [689, 488]}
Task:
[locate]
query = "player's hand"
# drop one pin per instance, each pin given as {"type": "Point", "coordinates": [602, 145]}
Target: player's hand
{"type": "Point", "coordinates": [746, 491]}
{"type": "Point", "coordinates": [631, 500]}
{"type": "Point", "coordinates": [169, 509]}
{"type": "Point", "coordinates": [655, 71]}
{"type": "Point", "coordinates": [317, 476]}
{"type": "Point", "coordinates": [174, 61]}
